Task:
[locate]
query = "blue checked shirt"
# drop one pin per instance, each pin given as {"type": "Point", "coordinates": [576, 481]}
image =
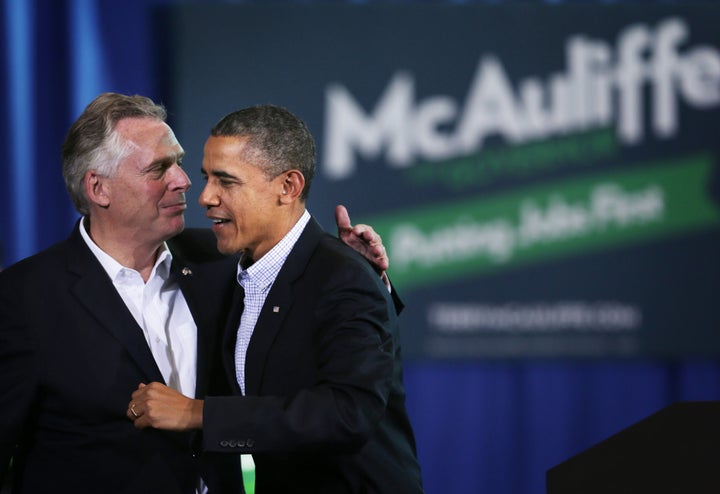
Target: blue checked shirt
{"type": "Point", "coordinates": [256, 281]}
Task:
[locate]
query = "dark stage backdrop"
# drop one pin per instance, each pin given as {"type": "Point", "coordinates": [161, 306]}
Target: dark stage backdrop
{"type": "Point", "coordinates": [542, 195]}
{"type": "Point", "coordinates": [545, 177]}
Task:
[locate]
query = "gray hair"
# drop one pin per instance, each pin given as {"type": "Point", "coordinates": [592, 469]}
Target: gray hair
{"type": "Point", "coordinates": [92, 142]}
{"type": "Point", "coordinates": [277, 141]}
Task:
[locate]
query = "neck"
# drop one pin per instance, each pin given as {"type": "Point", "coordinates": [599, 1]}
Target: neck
{"type": "Point", "coordinates": [283, 226]}
{"type": "Point", "coordinates": [126, 250]}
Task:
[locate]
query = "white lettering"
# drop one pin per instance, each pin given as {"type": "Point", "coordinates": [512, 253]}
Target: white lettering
{"type": "Point", "coordinates": [498, 239]}
{"type": "Point", "coordinates": [595, 90]}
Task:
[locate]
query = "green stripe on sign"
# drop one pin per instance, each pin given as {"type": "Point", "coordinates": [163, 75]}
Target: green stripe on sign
{"type": "Point", "coordinates": [567, 217]}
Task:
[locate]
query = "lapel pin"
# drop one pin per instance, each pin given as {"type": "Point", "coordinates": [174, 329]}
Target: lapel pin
{"type": "Point", "coordinates": [276, 308]}
{"type": "Point", "coordinates": [186, 271]}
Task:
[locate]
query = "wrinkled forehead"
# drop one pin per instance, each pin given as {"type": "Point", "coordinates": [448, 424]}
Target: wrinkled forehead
{"type": "Point", "coordinates": [225, 148]}
{"type": "Point", "coordinates": [148, 140]}
{"type": "Point", "coordinates": [147, 132]}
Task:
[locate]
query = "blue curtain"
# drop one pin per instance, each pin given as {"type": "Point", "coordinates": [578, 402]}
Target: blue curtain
{"type": "Point", "coordinates": [481, 427]}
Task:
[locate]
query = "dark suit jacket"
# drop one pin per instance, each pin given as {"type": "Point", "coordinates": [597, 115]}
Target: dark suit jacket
{"type": "Point", "coordinates": [71, 354]}
{"type": "Point", "coordinates": [325, 405]}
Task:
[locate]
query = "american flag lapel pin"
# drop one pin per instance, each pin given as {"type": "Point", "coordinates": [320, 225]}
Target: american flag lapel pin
{"type": "Point", "coordinates": [186, 271]}
{"type": "Point", "coordinates": [276, 308]}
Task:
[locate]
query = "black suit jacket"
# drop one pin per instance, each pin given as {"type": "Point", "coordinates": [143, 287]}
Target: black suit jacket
{"type": "Point", "coordinates": [71, 354]}
{"type": "Point", "coordinates": [325, 405]}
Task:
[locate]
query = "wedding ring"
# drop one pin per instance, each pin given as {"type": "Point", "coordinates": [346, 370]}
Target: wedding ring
{"type": "Point", "coordinates": [132, 410]}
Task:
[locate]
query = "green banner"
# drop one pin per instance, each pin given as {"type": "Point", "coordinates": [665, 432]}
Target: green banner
{"type": "Point", "coordinates": [568, 217]}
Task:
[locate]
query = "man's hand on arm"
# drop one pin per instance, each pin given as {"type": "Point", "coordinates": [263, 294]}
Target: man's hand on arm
{"type": "Point", "coordinates": [155, 405]}
{"type": "Point", "coordinates": [364, 240]}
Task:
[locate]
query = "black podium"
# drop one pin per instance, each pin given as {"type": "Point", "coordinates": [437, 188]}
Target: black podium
{"type": "Point", "coordinates": [676, 450]}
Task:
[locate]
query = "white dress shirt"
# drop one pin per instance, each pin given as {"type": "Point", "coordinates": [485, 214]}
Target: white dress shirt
{"type": "Point", "coordinates": [162, 313]}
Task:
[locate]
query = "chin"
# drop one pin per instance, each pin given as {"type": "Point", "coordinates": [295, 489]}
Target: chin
{"type": "Point", "coordinates": [177, 227]}
{"type": "Point", "coordinates": [225, 249]}
{"type": "Point", "coordinates": [172, 232]}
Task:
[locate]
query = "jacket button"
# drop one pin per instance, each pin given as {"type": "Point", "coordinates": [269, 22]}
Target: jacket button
{"type": "Point", "coordinates": [224, 443]}
{"type": "Point", "coordinates": [250, 443]}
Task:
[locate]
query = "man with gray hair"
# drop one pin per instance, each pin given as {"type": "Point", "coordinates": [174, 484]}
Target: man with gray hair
{"type": "Point", "coordinates": [128, 298]}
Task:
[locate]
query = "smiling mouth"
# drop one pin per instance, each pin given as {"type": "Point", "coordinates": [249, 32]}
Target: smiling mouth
{"type": "Point", "coordinates": [218, 221]}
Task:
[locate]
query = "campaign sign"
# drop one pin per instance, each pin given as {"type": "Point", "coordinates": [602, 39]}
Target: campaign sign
{"type": "Point", "coordinates": [545, 178]}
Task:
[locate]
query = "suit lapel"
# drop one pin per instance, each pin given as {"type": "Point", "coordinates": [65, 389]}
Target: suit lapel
{"type": "Point", "coordinates": [277, 305]}
{"type": "Point", "coordinates": [96, 293]}
{"type": "Point", "coordinates": [184, 275]}
{"type": "Point", "coordinates": [230, 337]}
{"type": "Point", "coordinates": [206, 288]}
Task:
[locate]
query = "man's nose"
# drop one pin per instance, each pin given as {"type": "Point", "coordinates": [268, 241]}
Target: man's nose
{"type": "Point", "coordinates": [208, 197]}
{"type": "Point", "coordinates": [178, 178]}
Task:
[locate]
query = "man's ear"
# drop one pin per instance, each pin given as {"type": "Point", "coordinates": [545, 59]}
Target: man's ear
{"type": "Point", "coordinates": [96, 188]}
{"type": "Point", "coordinates": [293, 183]}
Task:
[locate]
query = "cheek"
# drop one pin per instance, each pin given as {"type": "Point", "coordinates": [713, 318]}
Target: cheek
{"type": "Point", "coordinates": [139, 197]}
{"type": "Point", "coordinates": [241, 206]}
{"type": "Point", "coordinates": [251, 212]}
{"type": "Point", "coordinates": [131, 201]}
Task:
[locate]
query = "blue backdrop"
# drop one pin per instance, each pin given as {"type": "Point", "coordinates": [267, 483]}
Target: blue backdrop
{"type": "Point", "coordinates": [481, 426]}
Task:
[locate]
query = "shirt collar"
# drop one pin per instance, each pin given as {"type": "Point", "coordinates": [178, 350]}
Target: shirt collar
{"type": "Point", "coordinates": [264, 271]}
{"type": "Point", "coordinates": [114, 268]}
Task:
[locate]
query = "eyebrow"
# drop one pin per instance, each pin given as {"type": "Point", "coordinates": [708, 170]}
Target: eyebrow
{"type": "Point", "coordinates": [166, 160]}
{"type": "Point", "coordinates": [219, 174]}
